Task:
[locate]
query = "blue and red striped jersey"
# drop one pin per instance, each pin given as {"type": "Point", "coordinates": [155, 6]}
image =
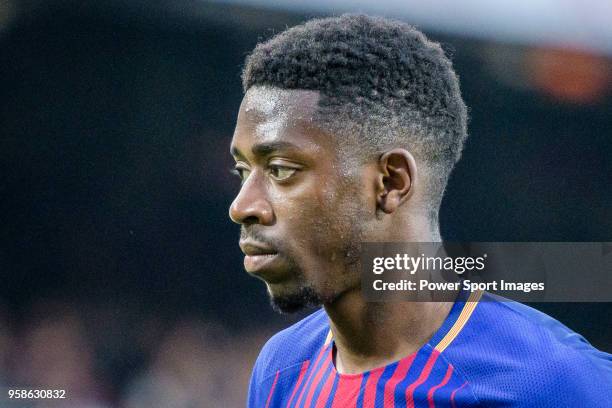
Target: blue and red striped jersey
{"type": "Point", "coordinates": [487, 353]}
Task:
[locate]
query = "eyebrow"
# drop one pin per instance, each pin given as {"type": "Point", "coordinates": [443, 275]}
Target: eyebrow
{"type": "Point", "coordinates": [264, 149]}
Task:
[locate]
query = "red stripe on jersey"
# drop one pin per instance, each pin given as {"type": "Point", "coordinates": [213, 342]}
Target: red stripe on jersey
{"type": "Point", "coordinates": [317, 379]}
{"type": "Point", "coordinates": [430, 394]}
{"type": "Point", "coordinates": [453, 394]}
{"type": "Point", "coordinates": [369, 395]}
{"type": "Point", "coordinates": [324, 395]}
{"type": "Point", "coordinates": [398, 375]}
{"type": "Point", "coordinates": [422, 378]}
{"type": "Point", "coordinates": [346, 393]}
{"type": "Point", "coordinates": [314, 366]}
{"type": "Point", "coordinates": [299, 380]}
{"type": "Point", "coordinates": [272, 389]}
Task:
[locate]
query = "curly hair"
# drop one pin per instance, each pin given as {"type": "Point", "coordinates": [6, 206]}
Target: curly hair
{"type": "Point", "coordinates": [382, 84]}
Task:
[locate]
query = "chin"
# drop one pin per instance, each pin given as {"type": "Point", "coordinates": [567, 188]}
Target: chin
{"type": "Point", "coordinates": [276, 272]}
{"type": "Point", "coordinates": [285, 300]}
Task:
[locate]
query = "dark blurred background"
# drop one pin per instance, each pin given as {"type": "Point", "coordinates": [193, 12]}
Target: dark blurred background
{"type": "Point", "coordinates": [122, 279]}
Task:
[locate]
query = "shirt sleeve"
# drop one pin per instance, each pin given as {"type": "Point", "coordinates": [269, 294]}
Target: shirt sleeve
{"type": "Point", "coordinates": [255, 396]}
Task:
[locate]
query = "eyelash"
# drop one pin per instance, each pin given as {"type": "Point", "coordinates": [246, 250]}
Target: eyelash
{"type": "Point", "coordinates": [238, 171]}
{"type": "Point", "coordinates": [235, 172]}
{"type": "Point", "coordinates": [293, 170]}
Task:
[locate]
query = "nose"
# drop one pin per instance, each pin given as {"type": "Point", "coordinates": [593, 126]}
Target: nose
{"type": "Point", "coordinates": [251, 205]}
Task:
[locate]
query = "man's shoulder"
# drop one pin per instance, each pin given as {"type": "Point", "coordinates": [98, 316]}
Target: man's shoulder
{"type": "Point", "coordinates": [513, 351]}
{"type": "Point", "coordinates": [515, 328]}
{"type": "Point", "coordinates": [293, 345]}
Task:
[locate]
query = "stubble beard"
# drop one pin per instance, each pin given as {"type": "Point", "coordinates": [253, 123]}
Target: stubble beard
{"type": "Point", "coordinates": [307, 294]}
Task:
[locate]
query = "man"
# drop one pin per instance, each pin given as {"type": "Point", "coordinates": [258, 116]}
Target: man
{"type": "Point", "coordinates": [347, 133]}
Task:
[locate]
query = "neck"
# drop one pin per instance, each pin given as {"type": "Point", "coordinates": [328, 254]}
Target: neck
{"type": "Point", "coordinates": [415, 227]}
{"type": "Point", "coordinates": [373, 334]}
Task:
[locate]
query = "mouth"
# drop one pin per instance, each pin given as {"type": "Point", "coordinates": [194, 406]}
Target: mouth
{"type": "Point", "coordinates": [257, 256]}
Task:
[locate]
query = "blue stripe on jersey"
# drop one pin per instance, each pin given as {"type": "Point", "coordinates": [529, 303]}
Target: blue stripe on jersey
{"type": "Point", "coordinates": [326, 374]}
{"type": "Point", "coordinates": [435, 377]}
{"type": "Point", "coordinates": [366, 375]}
{"type": "Point", "coordinates": [380, 386]}
{"type": "Point", "coordinates": [316, 369]}
{"type": "Point", "coordinates": [300, 392]}
{"type": "Point", "coordinates": [442, 395]}
{"type": "Point", "coordinates": [332, 392]}
{"type": "Point", "coordinates": [412, 375]}
{"type": "Point", "coordinates": [307, 376]}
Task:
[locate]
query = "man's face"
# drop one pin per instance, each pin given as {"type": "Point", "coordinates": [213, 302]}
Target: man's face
{"type": "Point", "coordinates": [299, 210]}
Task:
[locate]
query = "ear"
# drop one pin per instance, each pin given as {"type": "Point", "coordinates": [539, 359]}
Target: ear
{"type": "Point", "coordinates": [396, 179]}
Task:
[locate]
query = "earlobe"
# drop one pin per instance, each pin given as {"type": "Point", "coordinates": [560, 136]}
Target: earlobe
{"type": "Point", "coordinates": [396, 180]}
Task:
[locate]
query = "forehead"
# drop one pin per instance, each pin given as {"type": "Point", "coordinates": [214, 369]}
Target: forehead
{"type": "Point", "coordinates": [270, 115]}
{"type": "Point", "coordinates": [271, 103]}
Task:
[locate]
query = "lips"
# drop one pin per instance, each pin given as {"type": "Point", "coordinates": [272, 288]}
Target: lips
{"type": "Point", "coordinates": [257, 256]}
{"type": "Point", "coordinates": [251, 248]}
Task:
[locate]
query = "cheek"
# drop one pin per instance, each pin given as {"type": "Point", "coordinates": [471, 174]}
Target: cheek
{"type": "Point", "coordinates": [321, 216]}
{"type": "Point", "coordinates": [334, 205]}
{"type": "Point", "coordinates": [307, 215]}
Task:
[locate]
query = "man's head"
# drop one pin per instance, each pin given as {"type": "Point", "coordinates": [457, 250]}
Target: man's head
{"type": "Point", "coordinates": [338, 115]}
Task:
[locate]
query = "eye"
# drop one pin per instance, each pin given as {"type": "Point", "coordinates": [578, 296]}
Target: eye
{"type": "Point", "coordinates": [281, 173]}
{"type": "Point", "coordinates": [241, 172]}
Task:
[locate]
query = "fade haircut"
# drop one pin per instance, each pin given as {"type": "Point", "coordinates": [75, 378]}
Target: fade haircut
{"type": "Point", "coordinates": [382, 85]}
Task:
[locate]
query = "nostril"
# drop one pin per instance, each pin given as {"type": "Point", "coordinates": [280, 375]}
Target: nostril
{"type": "Point", "coordinates": [250, 220]}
